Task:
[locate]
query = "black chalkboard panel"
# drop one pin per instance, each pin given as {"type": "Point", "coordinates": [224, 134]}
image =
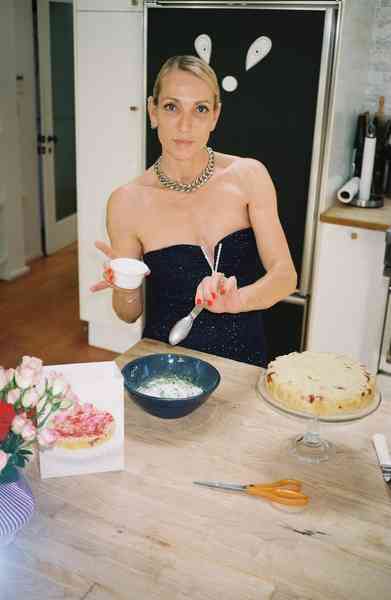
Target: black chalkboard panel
{"type": "Point", "coordinates": [270, 116]}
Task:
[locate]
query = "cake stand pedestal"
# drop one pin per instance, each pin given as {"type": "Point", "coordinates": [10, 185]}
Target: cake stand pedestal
{"type": "Point", "coordinates": [311, 447]}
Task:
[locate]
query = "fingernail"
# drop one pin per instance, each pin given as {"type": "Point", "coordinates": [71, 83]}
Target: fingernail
{"type": "Point", "coordinates": [198, 301]}
{"type": "Point", "coordinates": [210, 302]}
{"type": "Point", "coordinates": [222, 291]}
{"type": "Point", "coordinates": [214, 296]}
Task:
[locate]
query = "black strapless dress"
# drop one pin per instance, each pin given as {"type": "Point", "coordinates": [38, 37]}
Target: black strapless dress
{"type": "Point", "coordinates": [175, 274]}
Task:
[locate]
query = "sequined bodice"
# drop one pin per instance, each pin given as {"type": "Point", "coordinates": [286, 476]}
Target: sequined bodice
{"type": "Point", "coordinates": [176, 272]}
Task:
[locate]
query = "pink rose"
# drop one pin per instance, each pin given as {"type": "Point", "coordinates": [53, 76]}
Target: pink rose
{"type": "Point", "coordinates": [13, 396]}
{"type": "Point", "coordinates": [32, 362]}
{"type": "Point", "coordinates": [18, 423]}
{"type": "Point", "coordinates": [3, 459]}
{"type": "Point", "coordinates": [29, 432]}
{"type": "Point", "coordinates": [30, 398]}
{"type": "Point", "coordinates": [35, 364]}
{"type": "Point", "coordinates": [47, 437]}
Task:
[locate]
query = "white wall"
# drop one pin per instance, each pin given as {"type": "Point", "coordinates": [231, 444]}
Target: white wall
{"type": "Point", "coordinates": [26, 105]}
{"type": "Point", "coordinates": [358, 17]}
{"type": "Point", "coordinates": [379, 76]}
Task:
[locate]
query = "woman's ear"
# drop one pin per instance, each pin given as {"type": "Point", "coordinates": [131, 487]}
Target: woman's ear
{"type": "Point", "coordinates": [152, 112]}
{"type": "Point", "coordinates": [216, 116]}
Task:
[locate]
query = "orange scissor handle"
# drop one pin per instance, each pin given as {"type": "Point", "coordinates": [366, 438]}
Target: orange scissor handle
{"type": "Point", "coordinates": [284, 493]}
{"type": "Point", "coordinates": [291, 484]}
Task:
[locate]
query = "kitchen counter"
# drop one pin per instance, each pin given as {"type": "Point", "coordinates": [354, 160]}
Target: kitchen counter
{"type": "Point", "coordinates": [365, 218]}
{"type": "Point", "coordinates": [148, 533]}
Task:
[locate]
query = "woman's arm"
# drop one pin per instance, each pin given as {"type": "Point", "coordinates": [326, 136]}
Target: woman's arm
{"type": "Point", "coordinates": [280, 279]}
{"type": "Point", "coordinates": [219, 294]}
{"type": "Point", "coordinates": [120, 219]}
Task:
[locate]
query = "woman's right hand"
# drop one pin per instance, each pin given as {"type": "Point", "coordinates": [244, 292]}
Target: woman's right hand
{"type": "Point", "coordinates": [107, 273]}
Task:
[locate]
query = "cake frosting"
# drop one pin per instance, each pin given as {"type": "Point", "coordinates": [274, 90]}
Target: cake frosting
{"type": "Point", "coordinates": [320, 383]}
{"type": "Point", "coordinates": [84, 426]}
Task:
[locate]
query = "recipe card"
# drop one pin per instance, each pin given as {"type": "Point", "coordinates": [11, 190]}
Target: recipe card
{"type": "Point", "coordinates": [89, 433]}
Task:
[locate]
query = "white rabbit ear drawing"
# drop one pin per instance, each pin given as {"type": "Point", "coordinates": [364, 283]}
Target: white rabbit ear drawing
{"type": "Point", "coordinates": [257, 51]}
{"type": "Point", "coordinates": [203, 46]}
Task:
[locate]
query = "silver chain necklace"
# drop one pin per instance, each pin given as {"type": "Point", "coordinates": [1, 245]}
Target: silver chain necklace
{"type": "Point", "coordinates": [186, 187]}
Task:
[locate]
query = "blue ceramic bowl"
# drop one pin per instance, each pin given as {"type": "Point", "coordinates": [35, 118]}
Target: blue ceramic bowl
{"type": "Point", "coordinates": [193, 370]}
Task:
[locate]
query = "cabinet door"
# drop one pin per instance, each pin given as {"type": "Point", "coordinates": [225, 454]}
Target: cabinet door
{"type": "Point", "coordinates": [110, 113]}
{"type": "Point", "coordinates": [349, 294]}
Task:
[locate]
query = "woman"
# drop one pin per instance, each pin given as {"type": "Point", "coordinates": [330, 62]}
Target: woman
{"type": "Point", "coordinates": [181, 209]}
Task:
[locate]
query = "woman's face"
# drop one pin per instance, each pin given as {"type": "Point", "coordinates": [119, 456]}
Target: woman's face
{"type": "Point", "coordinates": [185, 114]}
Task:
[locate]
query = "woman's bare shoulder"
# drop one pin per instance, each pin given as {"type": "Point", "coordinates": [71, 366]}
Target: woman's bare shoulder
{"type": "Point", "coordinates": [242, 165]}
{"type": "Point", "coordinates": [129, 195]}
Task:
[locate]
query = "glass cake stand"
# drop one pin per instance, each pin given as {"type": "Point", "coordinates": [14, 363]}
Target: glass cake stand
{"type": "Point", "coordinates": [309, 446]}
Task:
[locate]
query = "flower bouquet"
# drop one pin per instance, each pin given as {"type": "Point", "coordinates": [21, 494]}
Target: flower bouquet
{"type": "Point", "coordinates": [28, 402]}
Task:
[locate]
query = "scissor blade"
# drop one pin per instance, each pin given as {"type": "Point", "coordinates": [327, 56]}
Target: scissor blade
{"type": "Point", "coordinates": [222, 486]}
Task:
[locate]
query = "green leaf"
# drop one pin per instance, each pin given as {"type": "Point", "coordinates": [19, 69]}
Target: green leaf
{"type": "Point", "coordinates": [25, 451]}
{"type": "Point", "coordinates": [19, 461]}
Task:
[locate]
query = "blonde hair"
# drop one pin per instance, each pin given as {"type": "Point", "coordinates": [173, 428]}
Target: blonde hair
{"type": "Point", "coordinates": [190, 64]}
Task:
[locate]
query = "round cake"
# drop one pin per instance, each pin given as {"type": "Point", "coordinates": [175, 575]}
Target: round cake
{"type": "Point", "coordinates": [320, 383]}
{"type": "Point", "coordinates": [83, 427]}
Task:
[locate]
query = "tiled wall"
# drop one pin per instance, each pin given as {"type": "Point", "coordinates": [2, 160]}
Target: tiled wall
{"type": "Point", "coordinates": [379, 76]}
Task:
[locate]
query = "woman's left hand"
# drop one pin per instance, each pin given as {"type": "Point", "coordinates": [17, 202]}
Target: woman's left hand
{"type": "Point", "coordinates": [219, 294]}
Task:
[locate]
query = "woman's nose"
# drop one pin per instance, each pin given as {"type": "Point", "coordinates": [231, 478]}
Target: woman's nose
{"type": "Point", "coordinates": [185, 122]}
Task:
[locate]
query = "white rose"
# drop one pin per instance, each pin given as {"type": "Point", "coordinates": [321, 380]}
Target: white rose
{"type": "Point", "coordinates": [3, 378]}
{"type": "Point", "coordinates": [10, 374]}
{"type": "Point", "coordinates": [59, 386]}
{"type": "Point", "coordinates": [30, 398]}
{"type": "Point", "coordinates": [24, 377]}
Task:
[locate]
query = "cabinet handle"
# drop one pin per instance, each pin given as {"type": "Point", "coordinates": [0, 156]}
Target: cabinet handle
{"type": "Point", "coordinates": [133, 108]}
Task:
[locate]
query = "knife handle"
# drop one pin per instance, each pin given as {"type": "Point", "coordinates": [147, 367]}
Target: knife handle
{"type": "Point", "coordinates": [380, 443]}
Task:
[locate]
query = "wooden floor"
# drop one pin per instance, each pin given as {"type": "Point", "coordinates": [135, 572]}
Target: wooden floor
{"type": "Point", "coordinates": [39, 314]}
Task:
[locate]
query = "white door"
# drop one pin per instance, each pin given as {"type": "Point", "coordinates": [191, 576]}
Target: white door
{"type": "Point", "coordinates": [57, 122]}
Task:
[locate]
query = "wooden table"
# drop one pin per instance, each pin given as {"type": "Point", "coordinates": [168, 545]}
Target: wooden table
{"type": "Point", "coordinates": [149, 533]}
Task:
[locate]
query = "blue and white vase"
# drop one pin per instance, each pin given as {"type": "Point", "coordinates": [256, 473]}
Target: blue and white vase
{"type": "Point", "coordinates": [16, 506]}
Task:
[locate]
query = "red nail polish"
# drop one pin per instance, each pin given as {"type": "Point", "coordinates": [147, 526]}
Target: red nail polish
{"type": "Point", "coordinates": [214, 296]}
{"type": "Point", "coordinates": [199, 301]}
{"type": "Point", "coordinates": [222, 291]}
{"type": "Point", "coordinates": [210, 302]}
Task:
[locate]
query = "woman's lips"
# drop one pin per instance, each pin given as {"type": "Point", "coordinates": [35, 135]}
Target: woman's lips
{"type": "Point", "coordinates": [183, 142]}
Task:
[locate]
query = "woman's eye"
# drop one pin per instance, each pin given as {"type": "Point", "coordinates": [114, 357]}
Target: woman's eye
{"type": "Point", "coordinates": [201, 108]}
{"type": "Point", "coordinates": [169, 107]}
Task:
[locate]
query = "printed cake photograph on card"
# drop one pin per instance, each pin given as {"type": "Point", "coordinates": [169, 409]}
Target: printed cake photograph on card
{"type": "Point", "coordinates": [90, 434]}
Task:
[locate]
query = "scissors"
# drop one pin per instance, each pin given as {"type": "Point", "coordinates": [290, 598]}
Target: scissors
{"type": "Point", "coordinates": [283, 491]}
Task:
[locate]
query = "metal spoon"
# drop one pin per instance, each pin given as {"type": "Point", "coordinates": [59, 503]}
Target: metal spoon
{"type": "Point", "coordinates": [182, 328]}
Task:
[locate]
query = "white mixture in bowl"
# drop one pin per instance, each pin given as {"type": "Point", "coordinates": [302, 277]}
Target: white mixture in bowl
{"type": "Point", "coordinates": [169, 387]}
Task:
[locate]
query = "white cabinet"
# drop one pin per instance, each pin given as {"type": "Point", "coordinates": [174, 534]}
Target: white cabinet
{"type": "Point", "coordinates": [349, 293]}
{"type": "Point", "coordinates": [109, 5]}
{"type": "Point", "coordinates": [109, 124]}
